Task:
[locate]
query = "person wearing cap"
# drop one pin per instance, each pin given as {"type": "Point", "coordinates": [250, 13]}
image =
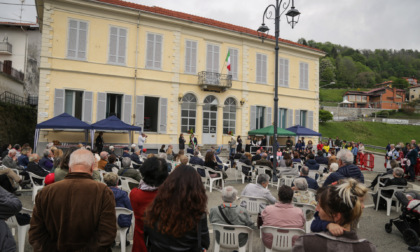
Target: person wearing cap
{"type": "Point", "coordinates": [126, 152]}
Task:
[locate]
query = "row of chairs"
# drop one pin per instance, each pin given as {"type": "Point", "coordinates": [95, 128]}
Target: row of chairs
{"type": "Point", "coordinates": [209, 180]}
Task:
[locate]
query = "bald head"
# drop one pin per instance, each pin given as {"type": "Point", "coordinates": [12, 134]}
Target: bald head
{"type": "Point", "coordinates": [104, 155]}
{"type": "Point", "coordinates": [81, 161]}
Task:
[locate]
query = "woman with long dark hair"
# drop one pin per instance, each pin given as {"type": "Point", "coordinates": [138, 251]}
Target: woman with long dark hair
{"type": "Point", "coordinates": [177, 219]}
{"type": "Point", "coordinates": [181, 142]}
{"type": "Point", "coordinates": [239, 144]}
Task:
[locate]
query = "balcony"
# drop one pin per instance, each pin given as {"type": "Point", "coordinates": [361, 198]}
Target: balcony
{"type": "Point", "coordinates": [5, 48]}
{"type": "Point", "coordinates": [215, 82]}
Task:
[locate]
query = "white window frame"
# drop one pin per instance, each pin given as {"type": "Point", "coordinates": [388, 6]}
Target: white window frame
{"type": "Point", "coordinates": [77, 39]}
{"type": "Point", "coordinates": [154, 51]}
{"type": "Point", "coordinates": [304, 75]}
{"type": "Point", "coordinates": [117, 46]}
{"type": "Point", "coordinates": [260, 111]}
{"type": "Point", "coordinates": [280, 121]}
{"type": "Point", "coordinates": [303, 118]}
{"type": "Point", "coordinates": [215, 61]}
{"type": "Point", "coordinates": [73, 102]}
{"type": "Point", "coordinates": [262, 78]}
{"type": "Point", "coordinates": [188, 117]}
{"type": "Point", "coordinates": [192, 67]}
{"type": "Point", "coordinates": [283, 72]}
{"type": "Point", "coordinates": [231, 116]}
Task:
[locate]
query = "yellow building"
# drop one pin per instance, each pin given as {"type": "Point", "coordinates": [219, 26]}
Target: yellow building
{"type": "Point", "coordinates": [165, 71]}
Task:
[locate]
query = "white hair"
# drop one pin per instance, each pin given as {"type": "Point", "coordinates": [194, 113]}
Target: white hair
{"type": "Point", "coordinates": [345, 156]}
{"type": "Point", "coordinates": [111, 147]}
{"type": "Point", "coordinates": [301, 184]}
{"type": "Point", "coordinates": [81, 157]}
{"type": "Point", "coordinates": [12, 152]}
{"type": "Point", "coordinates": [229, 194]}
{"type": "Point", "coordinates": [333, 167]}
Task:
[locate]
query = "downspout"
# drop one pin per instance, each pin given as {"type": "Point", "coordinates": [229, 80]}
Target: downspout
{"type": "Point", "coordinates": [135, 74]}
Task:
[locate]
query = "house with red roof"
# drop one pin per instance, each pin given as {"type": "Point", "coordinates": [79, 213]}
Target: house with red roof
{"type": "Point", "coordinates": [382, 98]}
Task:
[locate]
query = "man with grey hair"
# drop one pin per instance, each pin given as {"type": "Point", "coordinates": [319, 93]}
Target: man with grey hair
{"type": "Point", "coordinates": [35, 168]}
{"type": "Point", "coordinates": [304, 173]}
{"type": "Point", "coordinates": [300, 184]}
{"type": "Point", "coordinates": [135, 158]}
{"type": "Point", "coordinates": [88, 204]}
{"type": "Point", "coordinates": [398, 180]}
{"type": "Point", "coordinates": [259, 190]}
{"type": "Point", "coordinates": [46, 161]}
{"type": "Point", "coordinates": [347, 168]}
{"type": "Point", "coordinates": [127, 171]}
{"type": "Point", "coordinates": [104, 160]}
{"type": "Point", "coordinates": [301, 193]}
{"type": "Point", "coordinates": [229, 213]}
{"type": "Point", "coordinates": [10, 161]}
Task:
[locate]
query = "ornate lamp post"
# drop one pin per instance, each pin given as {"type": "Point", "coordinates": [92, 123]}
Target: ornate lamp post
{"type": "Point", "coordinates": [292, 17]}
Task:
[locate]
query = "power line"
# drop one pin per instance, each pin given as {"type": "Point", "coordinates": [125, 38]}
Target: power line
{"type": "Point", "coordinates": [21, 4]}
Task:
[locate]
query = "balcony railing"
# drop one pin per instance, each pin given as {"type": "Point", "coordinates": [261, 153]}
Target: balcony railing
{"type": "Point", "coordinates": [7, 97]}
{"type": "Point", "coordinates": [9, 70]}
{"type": "Point", "coordinates": [210, 81]}
{"type": "Point", "coordinates": [5, 48]}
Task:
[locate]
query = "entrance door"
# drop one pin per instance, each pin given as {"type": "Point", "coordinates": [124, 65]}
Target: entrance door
{"type": "Point", "coordinates": [210, 120]}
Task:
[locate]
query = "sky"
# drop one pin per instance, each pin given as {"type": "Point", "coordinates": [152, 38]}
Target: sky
{"type": "Point", "coordinates": [361, 24]}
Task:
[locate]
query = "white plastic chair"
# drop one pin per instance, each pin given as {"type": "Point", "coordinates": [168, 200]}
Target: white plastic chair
{"type": "Point", "coordinates": [122, 230]}
{"type": "Point", "coordinates": [101, 175]}
{"type": "Point", "coordinates": [393, 188]}
{"type": "Point", "coordinates": [261, 170]}
{"type": "Point", "coordinates": [253, 205]}
{"type": "Point", "coordinates": [118, 163]}
{"type": "Point", "coordinates": [115, 170]}
{"type": "Point", "coordinates": [229, 237]}
{"type": "Point", "coordinates": [282, 237]}
{"type": "Point", "coordinates": [321, 168]}
{"type": "Point", "coordinates": [242, 165]}
{"type": "Point", "coordinates": [313, 173]}
{"type": "Point", "coordinates": [125, 183]}
{"type": "Point", "coordinates": [297, 165]}
{"type": "Point", "coordinates": [306, 208]}
{"type": "Point", "coordinates": [285, 180]}
{"type": "Point", "coordinates": [22, 230]}
{"type": "Point", "coordinates": [203, 179]}
{"type": "Point", "coordinates": [36, 187]}
{"type": "Point", "coordinates": [211, 180]}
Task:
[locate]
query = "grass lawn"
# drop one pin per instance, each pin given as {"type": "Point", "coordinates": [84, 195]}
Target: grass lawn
{"type": "Point", "coordinates": [373, 133]}
{"type": "Point", "coordinates": [333, 95]}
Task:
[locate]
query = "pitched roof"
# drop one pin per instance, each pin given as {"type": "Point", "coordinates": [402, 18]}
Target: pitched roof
{"type": "Point", "coordinates": [18, 24]}
{"type": "Point", "coordinates": [198, 19]}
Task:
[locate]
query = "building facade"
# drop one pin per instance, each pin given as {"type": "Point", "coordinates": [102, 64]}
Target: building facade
{"type": "Point", "coordinates": [165, 71]}
{"type": "Point", "coordinates": [414, 92]}
{"type": "Point", "coordinates": [382, 98]}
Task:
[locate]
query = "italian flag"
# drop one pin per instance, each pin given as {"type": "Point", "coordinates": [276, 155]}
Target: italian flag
{"type": "Point", "coordinates": [228, 60]}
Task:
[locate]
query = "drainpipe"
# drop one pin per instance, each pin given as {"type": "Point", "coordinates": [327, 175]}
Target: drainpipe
{"type": "Point", "coordinates": [135, 74]}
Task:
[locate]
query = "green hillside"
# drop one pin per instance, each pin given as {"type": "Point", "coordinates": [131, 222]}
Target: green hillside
{"type": "Point", "coordinates": [372, 133]}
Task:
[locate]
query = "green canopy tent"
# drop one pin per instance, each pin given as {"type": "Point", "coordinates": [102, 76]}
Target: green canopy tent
{"type": "Point", "coordinates": [269, 131]}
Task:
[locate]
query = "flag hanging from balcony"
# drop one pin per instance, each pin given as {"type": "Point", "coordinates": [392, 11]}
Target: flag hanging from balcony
{"type": "Point", "coordinates": [228, 60]}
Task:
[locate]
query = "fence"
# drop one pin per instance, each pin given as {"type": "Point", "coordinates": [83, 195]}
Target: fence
{"type": "Point", "coordinates": [11, 98]}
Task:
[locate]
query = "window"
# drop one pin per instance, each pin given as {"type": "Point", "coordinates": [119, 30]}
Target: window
{"type": "Point", "coordinates": [73, 103]}
{"type": "Point", "coordinates": [210, 115]}
{"type": "Point", "coordinates": [151, 114]}
{"type": "Point", "coordinates": [260, 117]}
{"type": "Point", "coordinates": [213, 58]}
{"type": "Point", "coordinates": [190, 57]}
{"type": "Point", "coordinates": [113, 105]}
{"type": "Point", "coordinates": [77, 39]}
{"type": "Point", "coordinates": [282, 118]}
{"type": "Point", "coordinates": [304, 75]}
{"type": "Point", "coordinates": [154, 51]}
{"type": "Point", "coordinates": [261, 68]}
{"type": "Point", "coordinates": [229, 116]}
{"type": "Point", "coordinates": [234, 63]}
{"type": "Point", "coordinates": [188, 112]}
{"type": "Point", "coordinates": [283, 72]}
{"type": "Point", "coordinates": [303, 114]}
{"type": "Point", "coordinates": [117, 45]}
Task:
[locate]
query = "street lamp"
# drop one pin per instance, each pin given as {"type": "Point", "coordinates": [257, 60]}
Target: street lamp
{"type": "Point", "coordinates": [292, 17]}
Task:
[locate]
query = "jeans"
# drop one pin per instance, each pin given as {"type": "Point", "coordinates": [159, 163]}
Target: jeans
{"type": "Point", "coordinates": [411, 172]}
{"type": "Point", "coordinates": [231, 151]}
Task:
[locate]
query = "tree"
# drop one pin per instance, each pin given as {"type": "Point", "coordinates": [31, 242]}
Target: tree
{"type": "Point", "coordinates": [326, 70]}
{"type": "Point", "coordinates": [347, 70]}
{"type": "Point", "coordinates": [399, 83]}
{"type": "Point", "coordinates": [302, 41]}
{"type": "Point", "coordinates": [325, 116]}
{"type": "Point", "coordinates": [365, 79]}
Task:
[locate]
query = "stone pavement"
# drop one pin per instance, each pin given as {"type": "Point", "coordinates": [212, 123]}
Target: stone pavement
{"type": "Point", "coordinates": [371, 224]}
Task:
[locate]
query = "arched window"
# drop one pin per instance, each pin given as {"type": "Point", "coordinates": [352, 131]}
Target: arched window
{"type": "Point", "coordinates": [188, 112]}
{"type": "Point", "coordinates": [229, 116]}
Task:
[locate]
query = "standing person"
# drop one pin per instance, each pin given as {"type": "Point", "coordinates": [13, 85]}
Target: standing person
{"type": "Point", "coordinates": [412, 156]}
{"type": "Point", "coordinates": [337, 144]}
{"type": "Point", "coordinates": [9, 206]}
{"type": "Point", "coordinates": [239, 144]}
{"type": "Point", "coordinates": [181, 142]}
{"type": "Point", "coordinates": [154, 172]}
{"type": "Point", "coordinates": [99, 142]}
{"type": "Point", "coordinates": [354, 151]}
{"type": "Point", "coordinates": [343, 205]}
{"type": "Point", "coordinates": [88, 204]}
{"type": "Point", "coordinates": [193, 142]}
{"type": "Point", "coordinates": [309, 146]}
{"type": "Point", "coordinates": [141, 141]}
{"type": "Point", "coordinates": [232, 146]}
{"type": "Point", "coordinates": [177, 219]}
{"type": "Point", "coordinates": [264, 142]}
{"type": "Point", "coordinates": [248, 144]}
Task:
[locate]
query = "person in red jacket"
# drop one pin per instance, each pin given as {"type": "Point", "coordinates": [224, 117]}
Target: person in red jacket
{"type": "Point", "coordinates": [154, 171]}
{"type": "Point", "coordinates": [319, 146]}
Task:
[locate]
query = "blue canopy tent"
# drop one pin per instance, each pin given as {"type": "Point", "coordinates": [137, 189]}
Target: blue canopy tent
{"type": "Point", "coordinates": [302, 131]}
{"type": "Point", "coordinates": [61, 122]}
{"type": "Point", "coordinates": [110, 124]}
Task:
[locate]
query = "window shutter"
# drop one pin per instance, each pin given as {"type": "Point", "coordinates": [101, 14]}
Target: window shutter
{"type": "Point", "coordinates": [289, 118]}
{"type": "Point", "coordinates": [297, 117]}
{"type": "Point", "coordinates": [216, 59]}
{"type": "Point", "coordinates": [72, 39]}
{"type": "Point", "coordinates": [87, 107]}
{"type": "Point", "coordinates": [209, 58]}
{"type": "Point", "coordinates": [264, 68]}
{"type": "Point", "coordinates": [188, 56]}
{"type": "Point", "coordinates": [122, 41]}
{"type": "Point", "coordinates": [234, 63]}
{"type": "Point", "coordinates": [193, 61]}
{"type": "Point", "coordinates": [252, 118]}
{"type": "Point", "coordinates": [158, 52]}
{"type": "Point", "coordinates": [101, 106]}
{"type": "Point", "coordinates": [268, 117]}
{"type": "Point", "coordinates": [301, 66]}
{"type": "Point", "coordinates": [163, 114]}
{"type": "Point", "coordinates": [310, 120]}
{"type": "Point", "coordinates": [126, 117]}
{"type": "Point", "coordinates": [139, 111]}
{"type": "Point", "coordinates": [113, 36]}
{"type": "Point", "coordinates": [81, 52]}
{"type": "Point", "coordinates": [149, 53]}
{"type": "Point", "coordinates": [284, 73]}
{"type": "Point", "coordinates": [59, 102]}
{"type": "Point", "coordinates": [306, 73]}
{"type": "Point", "coordinates": [258, 68]}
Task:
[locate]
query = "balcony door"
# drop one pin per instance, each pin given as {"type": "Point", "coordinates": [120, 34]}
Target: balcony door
{"type": "Point", "coordinates": [210, 120]}
{"type": "Point", "coordinates": [212, 68]}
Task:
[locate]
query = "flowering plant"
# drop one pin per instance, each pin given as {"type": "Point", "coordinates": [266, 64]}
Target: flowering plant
{"type": "Point", "coordinates": [230, 133]}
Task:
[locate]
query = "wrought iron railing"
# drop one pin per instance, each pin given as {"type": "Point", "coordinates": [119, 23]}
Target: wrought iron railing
{"type": "Point", "coordinates": [6, 47]}
{"type": "Point", "coordinates": [8, 97]}
{"type": "Point", "coordinates": [210, 80]}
